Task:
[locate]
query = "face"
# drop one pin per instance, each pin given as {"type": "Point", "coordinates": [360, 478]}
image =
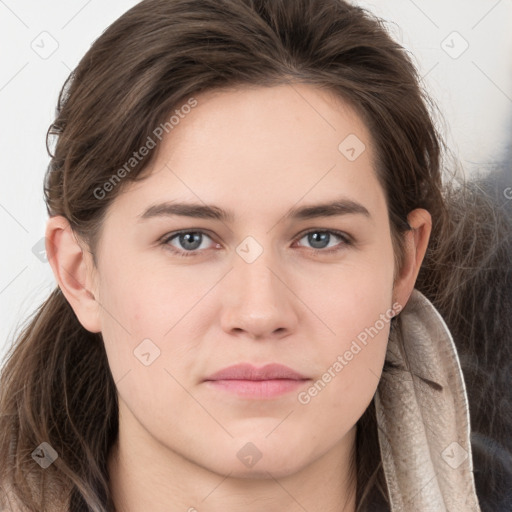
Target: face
{"type": "Point", "coordinates": [274, 281]}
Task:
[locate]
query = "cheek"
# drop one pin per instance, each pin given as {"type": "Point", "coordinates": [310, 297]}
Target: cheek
{"type": "Point", "coordinates": [352, 297]}
{"type": "Point", "coordinates": [138, 298]}
{"type": "Point", "coordinates": [351, 367]}
{"type": "Point", "coordinates": [129, 315]}
{"type": "Point", "coordinates": [356, 307]}
{"type": "Point", "coordinates": [149, 322]}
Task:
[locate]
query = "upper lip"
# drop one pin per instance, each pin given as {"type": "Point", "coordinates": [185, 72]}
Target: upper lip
{"type": "Point", "coordinates": [246, 371]}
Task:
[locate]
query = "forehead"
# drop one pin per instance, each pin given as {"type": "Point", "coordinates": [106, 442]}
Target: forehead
{"type": "Point", "coordinates": [261, 146]}
{"type": "Point", "coordinates": [264, 122]}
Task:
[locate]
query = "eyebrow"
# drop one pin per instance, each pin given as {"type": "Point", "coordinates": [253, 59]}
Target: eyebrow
{"type": "Point", "coordinates": [341, 206]}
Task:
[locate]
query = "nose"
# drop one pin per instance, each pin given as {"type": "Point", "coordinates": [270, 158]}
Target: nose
{"type": "Point", "coordinates": [258, 301]}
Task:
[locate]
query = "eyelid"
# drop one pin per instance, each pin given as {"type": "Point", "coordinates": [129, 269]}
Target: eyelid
{"type": "Point", "coordinates": [173, 234]}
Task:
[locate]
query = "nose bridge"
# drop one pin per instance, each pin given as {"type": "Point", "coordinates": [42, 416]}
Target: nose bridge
{"type": "Point", "coordinates": [255, 267]}
{"type": "Point", "coordinates": [258, 300]}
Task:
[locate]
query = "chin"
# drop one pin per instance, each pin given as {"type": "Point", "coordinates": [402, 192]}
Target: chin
{"type": "Point", "coordinates": [257, 458]}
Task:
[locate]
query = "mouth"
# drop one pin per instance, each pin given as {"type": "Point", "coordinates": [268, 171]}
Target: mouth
{"type": "Point", "coordinates": [247, 381]}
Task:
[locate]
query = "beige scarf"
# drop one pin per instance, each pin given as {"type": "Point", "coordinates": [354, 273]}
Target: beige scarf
{"type": "Point", "coordinates": [423, 418]}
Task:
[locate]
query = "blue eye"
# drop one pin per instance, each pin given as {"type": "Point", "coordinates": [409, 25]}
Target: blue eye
{"type": "Point", "coordinates": [319, 237]}
{"type": "Point", "coordinates": [191, 241]}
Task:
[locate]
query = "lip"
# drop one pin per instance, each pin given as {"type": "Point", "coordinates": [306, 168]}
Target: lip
{"type": "Point", "coordinates": [248, 381]}
{"type": "Point", "coordinates": [246, 371]}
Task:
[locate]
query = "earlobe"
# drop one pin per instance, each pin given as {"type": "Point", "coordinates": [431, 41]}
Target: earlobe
{"type": "Point", "coordinates": [416, 242]}
{"type": "Point", "coordinates": [74, 271]}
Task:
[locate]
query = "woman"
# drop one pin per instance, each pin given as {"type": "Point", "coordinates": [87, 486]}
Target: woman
{"type": "Point", "coordinates": [292, 359]}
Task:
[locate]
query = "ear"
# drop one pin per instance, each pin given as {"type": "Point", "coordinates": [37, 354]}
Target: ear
{"type": "Point", "coordinates": [74, 271]}
{"type": "Point", "coordinates": [416, 242]}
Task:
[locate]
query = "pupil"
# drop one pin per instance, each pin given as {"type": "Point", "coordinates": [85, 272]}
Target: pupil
{"type": "Point", "coordinates": [187, 236]}
{"type": "Point", "coordinates": [313, 239]}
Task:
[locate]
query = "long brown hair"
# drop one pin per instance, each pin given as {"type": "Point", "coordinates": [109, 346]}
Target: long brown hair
{"type": "Point", "coordinates": [56, 386]}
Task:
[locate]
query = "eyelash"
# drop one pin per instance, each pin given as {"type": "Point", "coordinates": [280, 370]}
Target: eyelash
{"type": "Point", "coordinates": [346, 241]}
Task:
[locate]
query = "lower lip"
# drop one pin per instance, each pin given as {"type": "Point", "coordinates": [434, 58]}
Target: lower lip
{"type": "Point", "coordinates": [258, 388]}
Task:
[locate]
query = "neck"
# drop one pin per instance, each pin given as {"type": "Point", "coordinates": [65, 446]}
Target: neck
{"type": "Point", "coordinates": [146, 475]}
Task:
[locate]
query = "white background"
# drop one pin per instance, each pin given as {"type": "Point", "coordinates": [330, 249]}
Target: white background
{"type": "Point", "coordinates": [473, 89]}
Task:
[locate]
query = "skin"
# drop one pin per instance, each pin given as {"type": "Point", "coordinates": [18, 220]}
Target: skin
{"type": "Point", "coordinates": [258, 152]}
